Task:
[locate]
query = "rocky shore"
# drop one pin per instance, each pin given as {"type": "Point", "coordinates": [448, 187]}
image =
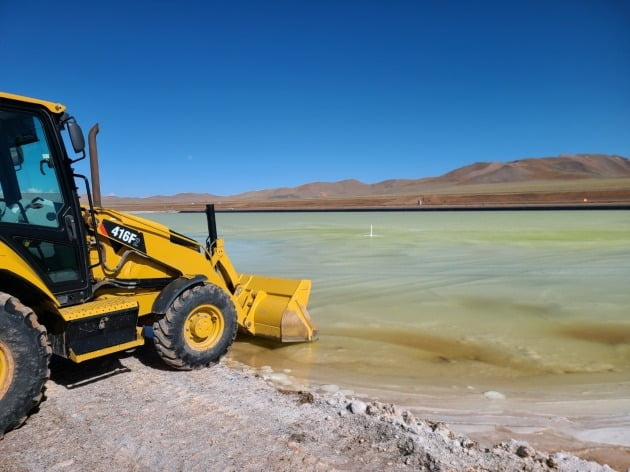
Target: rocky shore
{"type": "Point", "coordinates": [131, 413]}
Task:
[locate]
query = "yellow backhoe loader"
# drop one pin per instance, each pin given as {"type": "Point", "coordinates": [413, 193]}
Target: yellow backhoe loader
{"type": "Point", "coordinates": [82, 281]}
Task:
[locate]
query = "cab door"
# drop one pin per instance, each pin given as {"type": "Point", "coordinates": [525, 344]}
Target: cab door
{"type": "Point", "coordinates": [39, 213]}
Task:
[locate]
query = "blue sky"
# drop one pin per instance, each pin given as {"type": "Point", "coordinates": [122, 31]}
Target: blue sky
{"type": "Point", "coordinates": [225, 97]}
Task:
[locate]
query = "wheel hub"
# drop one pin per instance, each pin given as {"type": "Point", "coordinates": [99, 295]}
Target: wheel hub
{"type": "Point", "coordinates": [203, 327]}
{"type": "Point", "coordinates": [6, 368]}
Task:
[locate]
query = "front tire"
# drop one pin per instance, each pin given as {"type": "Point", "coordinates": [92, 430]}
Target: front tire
{"type": "Point", "coordinates": [24, 356]}
{"type": "Point", "coordinates": [197, 329]}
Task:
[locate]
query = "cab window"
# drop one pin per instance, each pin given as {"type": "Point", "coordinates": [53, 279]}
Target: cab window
{"type": "Point", "coordinates": [29, 187]}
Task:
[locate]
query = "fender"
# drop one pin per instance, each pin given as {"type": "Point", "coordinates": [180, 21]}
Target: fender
{"type": "Point", "coordinates": [173, 290]}
{"type": "Point", "coordinates": [14, 267]}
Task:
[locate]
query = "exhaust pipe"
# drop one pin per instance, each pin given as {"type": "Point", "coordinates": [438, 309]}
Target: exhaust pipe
{"type": "Point", "coordinates": [212, 225]}
{"type": "Point", "coordinates": [96, 182]}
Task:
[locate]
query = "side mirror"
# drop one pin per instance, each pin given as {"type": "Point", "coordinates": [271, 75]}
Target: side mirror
{"type": "Point", "coordinates": [76, 136]}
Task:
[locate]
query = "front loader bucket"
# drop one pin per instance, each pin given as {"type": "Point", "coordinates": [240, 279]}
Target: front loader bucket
{"type": "Point", "coordinates": [276, 308]}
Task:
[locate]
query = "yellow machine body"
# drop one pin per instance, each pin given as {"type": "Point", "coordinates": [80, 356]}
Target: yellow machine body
{"type": "Point", "coordinates": [266, 306]}
{"type": "Point", "coordinates": [120, 273]}
{"type": "Point", "coordinates": [51, 106]}
{"type": "Point", "coordinates": [13, 263]}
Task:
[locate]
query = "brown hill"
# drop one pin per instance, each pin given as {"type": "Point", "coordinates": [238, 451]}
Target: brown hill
{"type": "Point", "coordinates": [564, 167]}
{"type": "Point", "coordinates": [349, 187]}
{"type": "Point", "coordinates": [564, 173]}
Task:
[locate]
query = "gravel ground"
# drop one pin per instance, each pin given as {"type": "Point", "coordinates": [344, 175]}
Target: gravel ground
{"type": "Point", "coordinates": [132, 413]}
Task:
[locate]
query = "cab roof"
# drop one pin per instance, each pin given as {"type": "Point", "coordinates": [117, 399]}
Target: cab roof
{"type": "Point", "coordinates": [54, 107]}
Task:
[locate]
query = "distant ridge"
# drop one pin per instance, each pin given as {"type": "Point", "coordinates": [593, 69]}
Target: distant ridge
{"type": "Point", "coordinates": [563, 168]}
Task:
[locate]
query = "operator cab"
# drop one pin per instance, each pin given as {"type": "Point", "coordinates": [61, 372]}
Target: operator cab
{"type": "Point", "coordinates": [39, 208]}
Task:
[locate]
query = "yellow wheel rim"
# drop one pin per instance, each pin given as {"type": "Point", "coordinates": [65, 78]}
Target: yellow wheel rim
{"type": "Point", "coordinates": [203, 327]}
{"type": "Point", "coordinates": [6, 368]}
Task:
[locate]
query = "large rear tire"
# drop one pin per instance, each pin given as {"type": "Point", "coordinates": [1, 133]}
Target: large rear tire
{"type": "Point", "coordinates": [197, 329]}
{"type": "Point", "coordinates": [24, 356]}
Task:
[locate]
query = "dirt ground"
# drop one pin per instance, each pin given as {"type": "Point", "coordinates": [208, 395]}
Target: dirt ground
{"type": "Point", "coordinates": [129, 412]}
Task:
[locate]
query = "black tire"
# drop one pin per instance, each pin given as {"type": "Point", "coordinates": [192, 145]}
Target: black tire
{"type": "Point", "coordinates": [24, 356]}
{"type": "Point", "coordinates": [197, 329]}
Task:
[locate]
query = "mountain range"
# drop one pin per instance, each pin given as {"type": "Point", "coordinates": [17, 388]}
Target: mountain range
{"type": "Point", "coordinates": [564, 173]}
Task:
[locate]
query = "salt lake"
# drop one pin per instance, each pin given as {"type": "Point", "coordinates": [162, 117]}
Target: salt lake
{"type": "Point", "coordinates": [432, 309]}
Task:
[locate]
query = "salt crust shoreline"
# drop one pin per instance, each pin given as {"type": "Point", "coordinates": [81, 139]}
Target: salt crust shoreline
{"type": "Point", "coordinates": [130, 413]}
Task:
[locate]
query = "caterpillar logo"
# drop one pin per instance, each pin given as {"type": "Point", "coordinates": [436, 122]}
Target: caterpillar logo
{"type": "Point", "coordinates": [124, 235]}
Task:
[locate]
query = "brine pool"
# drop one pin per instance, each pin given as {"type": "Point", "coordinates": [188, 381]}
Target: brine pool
{"type": "Point", "coordinates": [434, 310]}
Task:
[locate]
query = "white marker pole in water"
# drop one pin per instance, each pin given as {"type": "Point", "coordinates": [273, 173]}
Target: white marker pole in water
{"type": "Point", "coordinates": [371, 233]}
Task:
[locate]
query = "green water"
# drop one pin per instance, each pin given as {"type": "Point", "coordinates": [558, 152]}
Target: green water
{"type": "Point", "coordinates": [453, 298]}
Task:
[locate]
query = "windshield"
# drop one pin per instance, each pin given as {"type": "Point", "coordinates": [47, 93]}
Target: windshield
{"type": "Point", "coordinates": [29, 187]}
